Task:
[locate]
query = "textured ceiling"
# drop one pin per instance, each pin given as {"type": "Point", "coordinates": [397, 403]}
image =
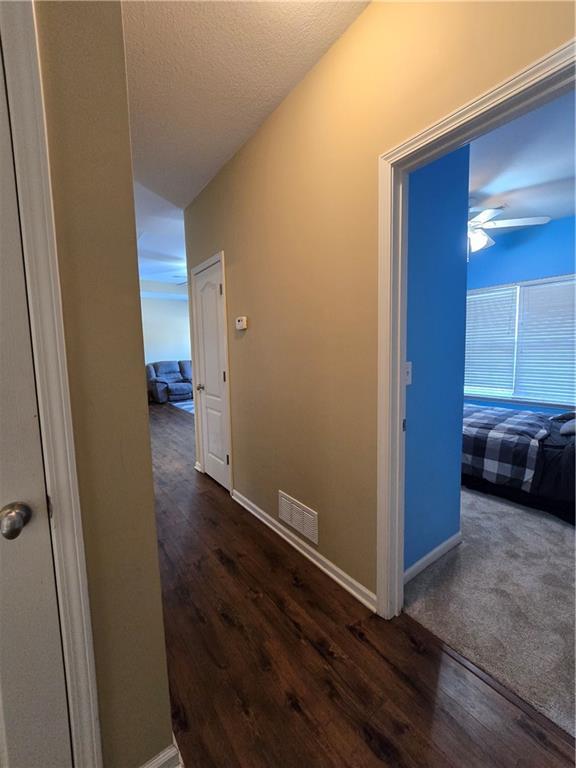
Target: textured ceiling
{"type": "Point", "coordinates": [527, 165]}
{"type": "Point", "coordinates": [202, 76]}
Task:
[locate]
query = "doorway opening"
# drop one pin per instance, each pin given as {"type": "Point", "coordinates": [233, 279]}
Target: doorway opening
{"type": "Point", "coordinates": [165, 307]}
{"type": "Point", "coordinates": [487, 394]}
{"type": "Point", "coordinates": [164, 301]}
{"type": "Point", "coordinates": [185, 339]}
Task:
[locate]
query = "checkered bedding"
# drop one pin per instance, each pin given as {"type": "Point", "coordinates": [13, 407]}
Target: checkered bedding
{"type": "Point", "coordinates": [501, 445]}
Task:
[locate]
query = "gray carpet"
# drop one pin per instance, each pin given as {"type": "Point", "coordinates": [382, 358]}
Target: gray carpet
{"type": "Point", "coordinates": [504, 599]}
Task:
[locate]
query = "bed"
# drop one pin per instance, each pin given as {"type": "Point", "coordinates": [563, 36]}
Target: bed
{"type": "Point", "coordinates": [520, 455]}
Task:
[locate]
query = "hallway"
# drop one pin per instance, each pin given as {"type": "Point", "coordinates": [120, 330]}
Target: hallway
{"type": "Point", "coordinates": [273, 665]}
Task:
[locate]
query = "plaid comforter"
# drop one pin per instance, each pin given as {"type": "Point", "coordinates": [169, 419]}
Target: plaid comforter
{"type": "Point", "coordinates": [501, 445]}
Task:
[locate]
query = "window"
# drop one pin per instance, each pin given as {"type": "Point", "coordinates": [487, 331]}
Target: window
{"type": "Point", "coordinates": [520, 342]}
{"type": "Point", "coordinates": [491, 319]}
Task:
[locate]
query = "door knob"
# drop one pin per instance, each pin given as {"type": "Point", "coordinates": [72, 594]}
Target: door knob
{"type": "Point", "coordinates": [13, 517]}
{"type": "Point", "coordinates": [200, 386]}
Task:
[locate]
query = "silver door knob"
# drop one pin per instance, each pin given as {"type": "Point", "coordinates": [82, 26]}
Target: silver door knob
{"type": "Point", "coordinates": [13, 517]}
{"type": "Point", "coordinates": [200, 386]}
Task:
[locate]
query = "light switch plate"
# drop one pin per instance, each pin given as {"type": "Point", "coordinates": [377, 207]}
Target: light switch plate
{"type": "Point", "coordinates": [407, 374]}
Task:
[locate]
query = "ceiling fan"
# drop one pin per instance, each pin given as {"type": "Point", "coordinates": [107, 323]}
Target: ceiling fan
{"type": "Point", "coordinates": [484, 220]}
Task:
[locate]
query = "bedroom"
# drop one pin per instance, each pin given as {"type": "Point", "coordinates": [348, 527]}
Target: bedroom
{"type": "Point", "coordinates": [489, 506]}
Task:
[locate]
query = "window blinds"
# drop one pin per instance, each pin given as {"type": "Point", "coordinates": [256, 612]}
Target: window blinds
{"type": "Point", "coordinates": [520, 342]}
{"type": "Point", "coordinates": [491, 342]}
{"type": "Point", "coordinates": [546, 336]}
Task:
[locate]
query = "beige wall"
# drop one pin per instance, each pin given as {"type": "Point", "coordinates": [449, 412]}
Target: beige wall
{"type": "Point", "coordinates": [296, 214]}
{"type": "Point", "coordinates": [82, 58]}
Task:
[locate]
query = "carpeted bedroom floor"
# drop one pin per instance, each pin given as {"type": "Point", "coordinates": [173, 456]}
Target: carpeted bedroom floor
{"type": "Point", "coordinates": [504, 599]}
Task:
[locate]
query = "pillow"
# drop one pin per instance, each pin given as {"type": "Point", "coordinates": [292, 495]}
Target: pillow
{"type": "Point", "coordinates": [568, 428]}
{"type": "Point", "coordinates": [567, 416]}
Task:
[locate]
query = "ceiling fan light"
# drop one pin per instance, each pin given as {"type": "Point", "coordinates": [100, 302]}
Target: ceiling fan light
{"type": "Point", "coordinates": [478, 239]}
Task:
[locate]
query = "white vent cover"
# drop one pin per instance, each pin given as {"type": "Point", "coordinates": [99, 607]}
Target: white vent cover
{"type": "Point", "coordinates": [299, 516]}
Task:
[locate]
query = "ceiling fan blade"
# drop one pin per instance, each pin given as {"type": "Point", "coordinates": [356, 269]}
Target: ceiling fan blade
{"type": "Point", "coordinates": [486, 215]}
{"type": "Point", "coordinates": [528, 221]}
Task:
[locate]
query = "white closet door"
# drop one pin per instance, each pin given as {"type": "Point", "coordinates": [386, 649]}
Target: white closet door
{"type": "Point", "coordinates": [211, 377]}
{"type": "Point", "coordinates": [34, 724]}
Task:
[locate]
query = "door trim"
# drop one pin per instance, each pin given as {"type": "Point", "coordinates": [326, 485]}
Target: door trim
{"type": "Point", "coordinates": [217, 258]}
{"type": "Point", "coordinates": [533, 86]}
{"type": "Point", "coordinates": [24, 86]}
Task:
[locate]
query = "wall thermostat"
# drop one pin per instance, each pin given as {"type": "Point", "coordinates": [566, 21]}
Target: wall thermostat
{"type": "Point", "coordinates": [241, 323]}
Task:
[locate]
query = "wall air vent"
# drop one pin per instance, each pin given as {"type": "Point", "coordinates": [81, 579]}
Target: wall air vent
{"type": "Point", "coordinates": [298, 516]}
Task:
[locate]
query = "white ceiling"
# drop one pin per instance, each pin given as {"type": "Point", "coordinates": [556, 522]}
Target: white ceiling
{"type": "Point", "coordinates": [527, 165]}
{"type": "Point", "coordinates": [202, 76]}
{"type": "Point", "coordinates": [160, 231]}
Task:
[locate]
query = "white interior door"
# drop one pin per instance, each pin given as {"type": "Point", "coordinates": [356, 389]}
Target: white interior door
{"type": "Point", "coordinates": [34, 727]}
{"type": "Point", "coordinates": [212, 372]}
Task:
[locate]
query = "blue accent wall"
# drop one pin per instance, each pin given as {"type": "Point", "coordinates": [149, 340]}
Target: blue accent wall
{"type": "Point", "coordinates": [525, 254]}
{"type": "Point", "coordinates": [436, 326]}
{"type": "Point", "coordinates": [533, 253]}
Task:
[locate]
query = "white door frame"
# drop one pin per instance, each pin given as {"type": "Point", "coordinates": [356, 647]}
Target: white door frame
{"type": "Point", "coordinates": [24, 86]}
{"type": "Point", "coordinates": [530, 88]}
{"type": "Point", "coordinates": [218, 258]}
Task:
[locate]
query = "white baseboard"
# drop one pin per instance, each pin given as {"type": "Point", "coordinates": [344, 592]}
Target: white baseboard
{"type": "Point", "coordinates": [432, 556]}
{"type": "Point", "coordinates": [198, 467]}
{"type": "Point", "coordinates": [360, 592]}
{"type": "Point", "coordinates": [168, 758]}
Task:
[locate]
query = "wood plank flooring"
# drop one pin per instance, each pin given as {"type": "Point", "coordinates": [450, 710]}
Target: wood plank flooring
{"type": "Point", "coordinates": [273, 665]}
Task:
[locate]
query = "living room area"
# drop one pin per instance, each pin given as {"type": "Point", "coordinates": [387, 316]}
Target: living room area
{"type": "Point", "coordinates": [164, 301]}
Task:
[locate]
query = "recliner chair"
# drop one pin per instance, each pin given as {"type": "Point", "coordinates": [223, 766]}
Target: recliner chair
{"type": "Point", "coordinates": [170, 380]}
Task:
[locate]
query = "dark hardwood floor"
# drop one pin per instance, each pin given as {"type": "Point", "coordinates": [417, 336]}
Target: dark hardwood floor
{"type": "Point", "coordinates": [272, 664]}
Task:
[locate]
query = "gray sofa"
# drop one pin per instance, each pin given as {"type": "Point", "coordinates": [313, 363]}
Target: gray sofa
{"type": "Point", "coordinates": [169, 380]}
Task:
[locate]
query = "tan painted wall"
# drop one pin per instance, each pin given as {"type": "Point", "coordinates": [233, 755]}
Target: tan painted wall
{"type": "Point", "coordinates": [296, 214]}
{"type": "Point", "coordinates": [82, 58]}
